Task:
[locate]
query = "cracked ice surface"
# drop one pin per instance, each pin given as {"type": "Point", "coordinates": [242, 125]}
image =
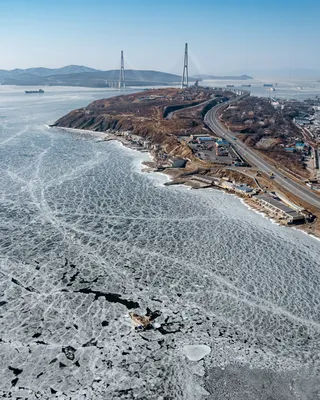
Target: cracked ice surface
{"type": "Point", "coordinates": [85, 237]}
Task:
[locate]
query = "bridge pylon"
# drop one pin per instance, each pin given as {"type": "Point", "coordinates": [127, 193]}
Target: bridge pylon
{"type": "Point", "coordinates": [185, 77]}
{"type": "Point", "coordinates": [122, 83]}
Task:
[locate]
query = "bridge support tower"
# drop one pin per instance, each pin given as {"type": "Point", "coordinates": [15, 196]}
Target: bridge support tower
{"type": "Point", "coordinates": [122, 83]}
{"type": "Point", "coordinates": [185, 77]}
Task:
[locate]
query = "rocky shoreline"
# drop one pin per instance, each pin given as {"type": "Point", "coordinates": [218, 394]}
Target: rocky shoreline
{"type": "Point", "coordinates": [193, 175]}
{"type": "Point", "coordinates": [163, 122]}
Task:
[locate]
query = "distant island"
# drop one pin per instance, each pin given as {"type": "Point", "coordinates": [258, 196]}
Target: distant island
{"type": "Point", "coordinates": [227, 77]}
{"type": "Point", "coordinates": [82, 76]}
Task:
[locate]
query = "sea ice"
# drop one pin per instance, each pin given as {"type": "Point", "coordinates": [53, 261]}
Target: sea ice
{"type": "Point", "coordinates": [85, 239]}
{"type": "Point", "coordinates": [196, 352]}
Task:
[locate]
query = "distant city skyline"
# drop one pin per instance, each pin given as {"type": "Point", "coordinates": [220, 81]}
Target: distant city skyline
{"type": "Point", "coordinates": [223, 38]}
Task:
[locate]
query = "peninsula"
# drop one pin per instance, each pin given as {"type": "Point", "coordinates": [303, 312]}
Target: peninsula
{"type": "Point", "coordinates": [151, 115]}
{"type": "Point", "coordinates": [174, 126]}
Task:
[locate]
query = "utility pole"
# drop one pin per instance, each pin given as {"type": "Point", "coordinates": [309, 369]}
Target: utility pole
{"type": "Point", "coordinates": [122, 83]}
{"type": "Point", "coordinates": [185, 78]}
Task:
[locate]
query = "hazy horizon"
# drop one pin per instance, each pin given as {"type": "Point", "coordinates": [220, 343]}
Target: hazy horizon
{"type": "Point", "coordinates": [223, 39]}
{"type": "Point", "coordinates": [258, 75]}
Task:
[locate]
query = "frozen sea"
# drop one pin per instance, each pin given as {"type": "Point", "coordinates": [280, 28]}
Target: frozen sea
{"type": "Point", "coordinates": [299, 89]}
{"type": "Point", "coordinates": [86, 237]}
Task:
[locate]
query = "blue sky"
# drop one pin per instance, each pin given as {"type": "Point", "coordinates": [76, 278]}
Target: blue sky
{"type": "Point", "coordinates": [224, 37]}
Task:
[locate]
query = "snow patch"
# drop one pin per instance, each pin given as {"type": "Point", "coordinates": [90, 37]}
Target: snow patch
{"type": "Point", "coordinates": [196, 352]}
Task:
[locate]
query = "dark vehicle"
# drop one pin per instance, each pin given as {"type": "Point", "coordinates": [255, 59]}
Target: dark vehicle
{"type": "Point", "coordinates": [34, 91]}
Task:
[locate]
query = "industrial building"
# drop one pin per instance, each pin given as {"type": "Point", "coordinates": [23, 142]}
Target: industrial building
{"type": "Point", "coordinates": [243, 189]}
{"type": "Point", "coordinates": [278, 209]}
{"type": "Point", "coordinates": [302, 121]}
{"type": "Point", "coordinates": [222, 143]}
{"type": "Point", "coordinates": [195, 136]}
{"type": "Point", "coordinates": [210, 180]}
{"type": "Point", "coordinates": [204, 139]}
{"type": "Point", "coordinates": [227, 185]}
{"type": "Point", "coordinates": [300, 146]}
{"type": "Point", "coordinates": [179, 163]}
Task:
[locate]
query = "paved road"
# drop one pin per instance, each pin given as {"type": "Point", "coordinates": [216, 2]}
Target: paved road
{"type": "Point", "coordinates": [301, 191]}
{"type": "Point", "coordinates": [169, 116]}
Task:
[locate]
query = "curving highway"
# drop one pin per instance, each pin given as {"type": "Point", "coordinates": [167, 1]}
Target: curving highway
{"type": "Point", "coordinates": [304, 193]}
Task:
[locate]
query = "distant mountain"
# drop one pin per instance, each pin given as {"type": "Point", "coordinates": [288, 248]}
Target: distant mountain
{"type": "Point", "coordinates": [213, 77]}
{"type": "Point", "coordinates": [69, 69]}
{"type": "Point", "coordinates": [74, 75]}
